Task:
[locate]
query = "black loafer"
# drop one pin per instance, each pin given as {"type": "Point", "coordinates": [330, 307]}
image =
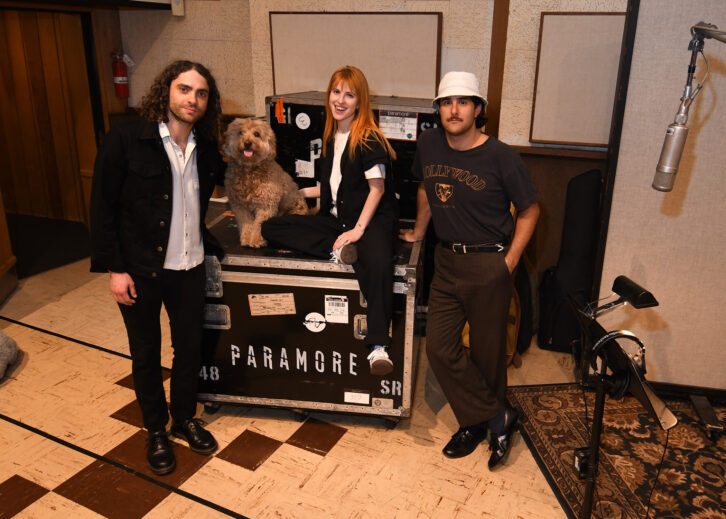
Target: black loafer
{"type": "Point", "coordinates": [464, 441]}
{"type": "Point", "coordinates": [199, 439]}
{"type": "Point", "coordinates": [159, 455]}
{"type": "Point", "coordinates": [502, 443]}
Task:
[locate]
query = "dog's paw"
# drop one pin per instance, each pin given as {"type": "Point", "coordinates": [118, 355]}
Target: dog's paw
{"type": "Point", "coordinates": [252, 239]}
{"type": "Point", "coordinates": [256, 242]}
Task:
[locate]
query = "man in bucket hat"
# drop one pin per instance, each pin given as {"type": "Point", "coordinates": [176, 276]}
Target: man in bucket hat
{"type": "Point", "coordinates": [468, 180]}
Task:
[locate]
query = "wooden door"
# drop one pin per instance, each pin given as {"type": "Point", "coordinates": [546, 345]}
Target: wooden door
{"type": "Point", "coordinates": [47, 142]}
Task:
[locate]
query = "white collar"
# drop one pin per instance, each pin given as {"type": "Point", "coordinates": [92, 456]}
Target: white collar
{"type": "Point", "coordinates": [164, 133]}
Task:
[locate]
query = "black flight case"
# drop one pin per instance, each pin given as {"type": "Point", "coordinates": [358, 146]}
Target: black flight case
{"type": "Point", "coordinates": [286, 330]}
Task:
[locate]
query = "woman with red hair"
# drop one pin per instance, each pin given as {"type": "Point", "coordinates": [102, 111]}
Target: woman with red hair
{"type": "Point", "coordinates": [358, 218]}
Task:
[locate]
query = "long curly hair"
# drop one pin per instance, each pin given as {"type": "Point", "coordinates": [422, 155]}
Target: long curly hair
{"type": "Point", "coordinates": [155, 104]}
{"type": "Point", "coordinates": [363, 126]}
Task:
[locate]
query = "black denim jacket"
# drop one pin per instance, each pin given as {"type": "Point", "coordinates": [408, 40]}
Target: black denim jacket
{"type": "Point", "coordinates": [131, 199]}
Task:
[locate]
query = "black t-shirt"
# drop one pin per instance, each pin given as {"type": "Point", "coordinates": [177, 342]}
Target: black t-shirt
{"type": "Point", "coordinates": [470, 191]}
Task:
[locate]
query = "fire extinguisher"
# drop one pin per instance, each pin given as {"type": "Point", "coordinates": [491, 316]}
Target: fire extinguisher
{"type": "Point", "coordinates": [120, 75]}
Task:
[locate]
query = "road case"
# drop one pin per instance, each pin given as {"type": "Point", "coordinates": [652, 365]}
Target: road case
{"type": "Point", "coordinates": [298, 121]}
{"type": "Point", "coordinates": [286, 330]}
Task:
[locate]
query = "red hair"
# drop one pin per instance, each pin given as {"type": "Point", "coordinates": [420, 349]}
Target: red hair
{"type": "Point", "coordinates": [363, 126]}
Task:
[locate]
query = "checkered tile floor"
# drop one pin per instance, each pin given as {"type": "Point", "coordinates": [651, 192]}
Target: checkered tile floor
{"type": "Point", "coordinates": [121, 474]}
{"type": "Point", "coordinates": [72, 445]}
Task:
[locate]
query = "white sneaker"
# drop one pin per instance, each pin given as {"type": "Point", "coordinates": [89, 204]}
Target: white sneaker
{"type": "Point", "coordinates": [380, 362]}
{"type": "Point", "coordinates": [347, 254]}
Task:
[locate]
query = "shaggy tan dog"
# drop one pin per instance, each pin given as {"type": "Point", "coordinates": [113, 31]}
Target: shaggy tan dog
{"type": "Point", "coordinates": [256, 185]}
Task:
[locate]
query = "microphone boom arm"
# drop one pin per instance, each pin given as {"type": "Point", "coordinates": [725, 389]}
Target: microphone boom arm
{"type": "Point", "coordinates": [695, 46]}
{"type": "Point", "coordinates": [708, 30]}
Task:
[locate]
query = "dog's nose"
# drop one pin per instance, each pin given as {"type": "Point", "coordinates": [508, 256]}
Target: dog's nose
{"type": "Point", "coordinates": [247, 145]}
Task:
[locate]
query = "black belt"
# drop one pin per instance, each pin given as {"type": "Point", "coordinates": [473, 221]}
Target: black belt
{"type": "Point", "coordinates": [467, 248]}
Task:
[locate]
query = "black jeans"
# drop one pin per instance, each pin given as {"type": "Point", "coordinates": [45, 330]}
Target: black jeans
{"type": "Point", "coordinates": [476, 288]}
{"type": "Point", "coordinates": [182, 293]}
{"type": "Point", "coordinates": [316, 234]}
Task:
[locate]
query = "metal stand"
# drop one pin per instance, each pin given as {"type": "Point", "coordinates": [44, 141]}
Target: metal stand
{"type": "Point", "coordinates": [594, 447]}
{"type": "Point", "coordinates": [707, 416]}
{"type": "Point", "coordinates": [626, 372]}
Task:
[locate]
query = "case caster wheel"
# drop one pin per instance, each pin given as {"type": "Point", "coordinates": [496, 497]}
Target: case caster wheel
{"type": "Point", "coordinates": [211, 407]}
{"type": "Point", "coordinates": [300, 414]}
{"type": "Point", "coordinates": [390, 424]}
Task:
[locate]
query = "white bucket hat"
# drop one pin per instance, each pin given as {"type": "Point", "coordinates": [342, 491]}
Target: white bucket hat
{"type": "Point", "coordinates": [459, 84]}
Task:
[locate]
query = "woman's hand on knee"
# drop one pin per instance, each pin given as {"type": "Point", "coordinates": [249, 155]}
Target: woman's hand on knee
{"type": "Point", "coordinates": [348, 237]}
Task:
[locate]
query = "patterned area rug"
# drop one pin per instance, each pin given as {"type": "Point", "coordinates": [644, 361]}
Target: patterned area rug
{"type": "Point", "coordinates": [692, 483]}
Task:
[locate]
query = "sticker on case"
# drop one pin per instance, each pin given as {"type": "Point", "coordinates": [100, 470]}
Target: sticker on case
{"type": "Point", "coordinates": [314, 322]}
{"type": "Point", "coordinates": [398, 125]}
{"type": "Point", "coordinates": [357, 397]}
{"type": "Point", "coordinates": [271, 304]}
{"type": "Point", "coordinates": [302, 121]}
{"type": "Point", "coordinates": [336, 309]}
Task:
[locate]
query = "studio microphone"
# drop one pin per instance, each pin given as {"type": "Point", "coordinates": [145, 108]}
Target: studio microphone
{"type": "Point", "coordinates": [675, 138]}
{"type": "Point", "coordinates": [670, 156]}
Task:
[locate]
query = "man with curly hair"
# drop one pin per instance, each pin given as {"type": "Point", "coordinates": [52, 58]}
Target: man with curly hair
{"type": "Point", "coordinates": [152, 182]}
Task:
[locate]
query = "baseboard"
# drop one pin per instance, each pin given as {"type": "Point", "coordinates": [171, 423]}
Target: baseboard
{"type": "Point", "coordinates": [666, 390]}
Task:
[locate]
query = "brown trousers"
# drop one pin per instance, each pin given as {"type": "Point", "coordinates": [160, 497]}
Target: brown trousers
{"type": "Point", "coordinates": [477, 288]}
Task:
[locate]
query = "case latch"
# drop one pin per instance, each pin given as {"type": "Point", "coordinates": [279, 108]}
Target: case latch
{"type": "Point", "coordinates": [360, 326]}
{"type": "Point", "coordinates": [216, 317]}
{"type": "Point", "coordinates": [214, 276]}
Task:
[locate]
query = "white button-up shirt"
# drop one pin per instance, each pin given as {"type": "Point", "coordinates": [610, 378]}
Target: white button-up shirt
{"type": "Point", "coordinates": [185, 249]}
